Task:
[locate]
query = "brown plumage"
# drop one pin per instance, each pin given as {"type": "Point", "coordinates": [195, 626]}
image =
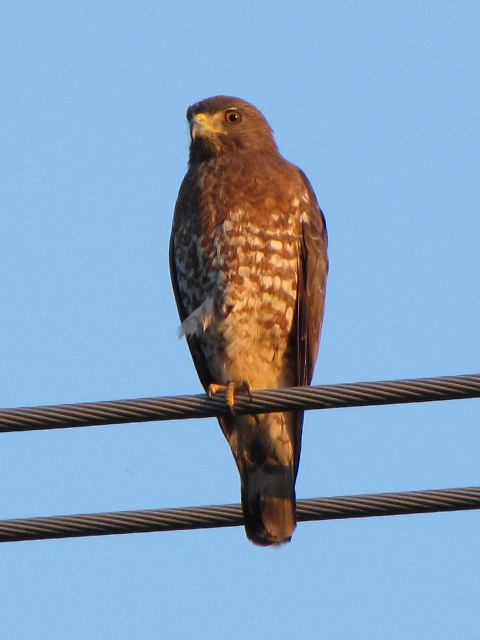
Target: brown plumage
{"type": "Point", "coordinates": [248, 263]}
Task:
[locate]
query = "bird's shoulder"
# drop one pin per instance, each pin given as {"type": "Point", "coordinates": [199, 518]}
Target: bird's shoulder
{"type": "Point", "coordinates": [260, 182]}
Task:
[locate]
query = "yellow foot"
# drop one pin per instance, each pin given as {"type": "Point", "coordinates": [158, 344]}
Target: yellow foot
{"type": "Point", "coordinates": [230, 390]}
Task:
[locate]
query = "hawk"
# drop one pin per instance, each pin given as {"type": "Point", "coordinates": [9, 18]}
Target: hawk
{"type": "Point", "coordinates": [248, 262]}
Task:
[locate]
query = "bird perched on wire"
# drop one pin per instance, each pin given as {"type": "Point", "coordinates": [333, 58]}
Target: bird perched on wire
{"type": "Point", "coordinates": [248, 262]}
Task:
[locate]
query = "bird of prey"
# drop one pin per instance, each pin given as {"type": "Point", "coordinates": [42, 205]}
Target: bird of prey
{"type": "Point", "coordinates": [248, 262]}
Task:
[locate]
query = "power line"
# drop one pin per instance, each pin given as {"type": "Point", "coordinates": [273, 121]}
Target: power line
{"type": "Point", "coordinates": [230, 515]}
{"type": "Point", "coordinates": [201, 406]}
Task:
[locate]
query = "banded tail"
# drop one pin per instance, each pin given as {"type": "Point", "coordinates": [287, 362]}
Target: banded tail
{"type": "Point", "coordinates": [264, 448]}
{"type": "Point", "coordinates": [268, 501]}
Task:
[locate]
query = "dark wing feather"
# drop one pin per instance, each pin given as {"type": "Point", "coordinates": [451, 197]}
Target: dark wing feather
{"type": "Point", "coordinates": [193, 344]}
{"type": "Point", "coordinates": [199, 360]}
{"type": "Point", "coordinates": [312, 277]}
{"type": "Point", "coordinates": [311, 292]}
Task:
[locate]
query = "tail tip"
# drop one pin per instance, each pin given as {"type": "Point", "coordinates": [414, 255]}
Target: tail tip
{"type": "Point", "coordinates": [263, 538]}
{"type": "Point", "coordinates": [269, 521]}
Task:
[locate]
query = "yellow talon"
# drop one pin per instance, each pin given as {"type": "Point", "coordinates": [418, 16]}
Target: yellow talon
{"type": "Point", "coordinates": [213, 389]}
{"type": "Point", "coordinates": [230, 390]}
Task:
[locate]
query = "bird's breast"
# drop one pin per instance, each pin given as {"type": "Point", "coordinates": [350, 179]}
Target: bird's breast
{"type": "Point", "coordinates": [240, 284]}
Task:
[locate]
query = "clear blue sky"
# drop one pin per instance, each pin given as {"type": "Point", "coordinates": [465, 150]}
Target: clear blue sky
{"type": "Point", "coordinates": [379, 103]}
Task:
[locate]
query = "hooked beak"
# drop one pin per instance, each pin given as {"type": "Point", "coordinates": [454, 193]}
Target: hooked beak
{"type": "Point", "coordinates": [198, 125]}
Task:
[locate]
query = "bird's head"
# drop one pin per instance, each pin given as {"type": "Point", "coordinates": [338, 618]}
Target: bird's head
{"type": "Point", "coordinates": [223, 124]}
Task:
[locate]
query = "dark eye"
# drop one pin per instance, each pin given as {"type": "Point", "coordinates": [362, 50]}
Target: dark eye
{"type": "Point", "coordinates": [232, 116]}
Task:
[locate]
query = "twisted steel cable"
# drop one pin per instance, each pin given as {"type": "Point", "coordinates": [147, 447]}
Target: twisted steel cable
{"type": "Point", "coordinates": [230, 515]}
{"type": "Point", "coordinates": [201, 406]}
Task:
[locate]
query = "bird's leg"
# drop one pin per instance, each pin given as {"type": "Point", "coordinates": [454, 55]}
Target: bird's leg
{"type": "Point", "coordinates": [230, 390]}
{"type": "Point", "coordinates": [244, 386]}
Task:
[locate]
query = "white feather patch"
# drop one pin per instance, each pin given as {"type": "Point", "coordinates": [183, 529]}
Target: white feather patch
{"type": "Point", "coordinates": [199, 320]}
